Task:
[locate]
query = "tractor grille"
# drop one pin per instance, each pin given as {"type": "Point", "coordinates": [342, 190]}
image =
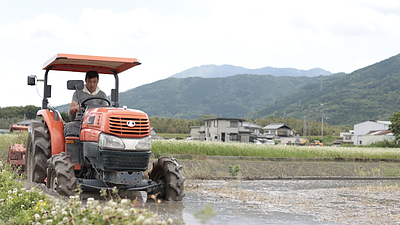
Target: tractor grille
{"type": "Point", "coordinates": [118, 125]}
{"type": "Point", "coordinates": [128, 161]}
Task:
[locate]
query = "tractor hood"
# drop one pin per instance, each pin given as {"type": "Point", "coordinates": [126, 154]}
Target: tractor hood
{"type": "Point", "coordinates": [121, 122]}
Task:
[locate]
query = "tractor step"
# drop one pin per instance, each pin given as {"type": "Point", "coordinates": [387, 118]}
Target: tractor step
{"type": "Point", "coordinates": [96, 185]}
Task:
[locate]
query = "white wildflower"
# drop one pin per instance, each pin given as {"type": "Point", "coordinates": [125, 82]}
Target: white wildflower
{"type": "Point", "coordinates": [37, 217]}
{"type": "Point", "coordinates": [140, 219]}
{"type": "Point", "coordinates": [148, 221]}
{"type": "Point", "coordinates": [65, 220]}
{"type": "Point", "coordinates": [169, 221]}
{"type": "Point", "coordinates": [125, 202]}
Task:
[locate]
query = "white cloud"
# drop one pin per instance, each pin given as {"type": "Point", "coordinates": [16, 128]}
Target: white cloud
{"type": "Point", "coordinates": [45, 27]}
{"type": "Point", "coordinates": [334, 35]}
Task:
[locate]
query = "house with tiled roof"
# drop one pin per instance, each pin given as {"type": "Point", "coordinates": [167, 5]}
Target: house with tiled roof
{"type": "Point", "coordinates": [279, 130]}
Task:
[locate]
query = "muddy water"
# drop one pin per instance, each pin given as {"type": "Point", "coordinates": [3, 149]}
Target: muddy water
{"type": "Point", "coordinates": [283, 202]}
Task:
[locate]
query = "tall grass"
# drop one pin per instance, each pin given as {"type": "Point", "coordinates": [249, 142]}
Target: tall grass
{"type": "Point", "coordinates": [166, 147]}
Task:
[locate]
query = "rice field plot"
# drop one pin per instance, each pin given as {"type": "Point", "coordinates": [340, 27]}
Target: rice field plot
{"type": "Point", "coordinates": [166, 147]}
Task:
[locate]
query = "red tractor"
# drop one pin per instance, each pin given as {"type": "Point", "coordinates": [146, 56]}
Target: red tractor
{"type": "Point", "coordinates": [112, 147]}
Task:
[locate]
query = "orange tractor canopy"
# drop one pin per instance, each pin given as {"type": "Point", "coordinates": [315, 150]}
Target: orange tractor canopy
{"type": "Point", "coordinates": [85, 63]}
{"type": "Point", "coordinates": [107, 147]}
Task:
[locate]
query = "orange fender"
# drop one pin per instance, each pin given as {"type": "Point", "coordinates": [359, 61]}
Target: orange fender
{"type": "Point", "coordinates": [56, 129]}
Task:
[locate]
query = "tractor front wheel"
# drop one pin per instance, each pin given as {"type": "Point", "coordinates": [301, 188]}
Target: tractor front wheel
{"type": "Point", "coordinates": [61, 174]}
{"type": "Point", "coordinates": [169, 172]}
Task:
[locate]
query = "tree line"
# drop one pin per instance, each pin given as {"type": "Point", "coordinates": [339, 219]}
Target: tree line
{"type": "Point", "coordinates": [14, 114]}
{"type": "Point", "coordinates": [302, 127]}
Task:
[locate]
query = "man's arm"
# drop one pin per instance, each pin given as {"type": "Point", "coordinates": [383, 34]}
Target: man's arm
{"type": "Point", "coordinates": [73, 108]}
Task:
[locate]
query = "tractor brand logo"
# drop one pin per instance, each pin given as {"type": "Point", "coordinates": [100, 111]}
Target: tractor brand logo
{"type": "Point", "coordinates": [130, 123]}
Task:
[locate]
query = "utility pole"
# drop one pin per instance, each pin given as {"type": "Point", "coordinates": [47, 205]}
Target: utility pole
{"type": "Point", "coordinates": [322, 125]}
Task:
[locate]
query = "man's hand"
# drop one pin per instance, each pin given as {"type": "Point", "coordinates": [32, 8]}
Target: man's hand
{"type": "Point", "coordinates": [74, 107]}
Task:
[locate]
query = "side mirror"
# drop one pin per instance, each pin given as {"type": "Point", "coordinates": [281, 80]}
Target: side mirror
{"type": "Point", "coordinates": [75, 85]}
{"type": "Point", "coordinates": [32, 80]}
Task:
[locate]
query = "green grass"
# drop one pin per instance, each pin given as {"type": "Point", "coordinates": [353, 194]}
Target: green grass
{"type": "Point", "coordinates": [166, 147]}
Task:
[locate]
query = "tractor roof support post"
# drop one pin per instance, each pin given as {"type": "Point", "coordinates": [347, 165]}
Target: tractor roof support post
{"type": "Point", "coordinates": [46, 89]}
{"type": "Point", "coordinates": [116, 104]}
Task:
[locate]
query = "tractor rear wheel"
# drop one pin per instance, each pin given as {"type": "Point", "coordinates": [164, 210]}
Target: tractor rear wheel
{"type": "Point", "coordinates": [38, 150]}
{"type": "Point", "coordinates": [169, 172]}
{"type": "Point", "coordinates": [61, 174]}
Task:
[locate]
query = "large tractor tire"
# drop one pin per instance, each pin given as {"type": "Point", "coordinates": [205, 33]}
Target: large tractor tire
{"type": "Point", "coordinates": [169, 172]}
{"type": "Point", "coordinates": [61, 174]}
{"type": "Point", "coordinates": [38, 150]}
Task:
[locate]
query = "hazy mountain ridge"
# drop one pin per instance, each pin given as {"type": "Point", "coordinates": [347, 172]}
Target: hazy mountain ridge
{"type": "Point", "coordinates": [212, 71]}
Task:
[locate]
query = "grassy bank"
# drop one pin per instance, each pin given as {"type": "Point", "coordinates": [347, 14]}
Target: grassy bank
{"type": "Point", "coordinates": [22, 205]}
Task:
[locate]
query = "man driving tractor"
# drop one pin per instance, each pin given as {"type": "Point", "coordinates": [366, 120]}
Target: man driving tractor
{"type": "Point", "coordinates": [90, 90]}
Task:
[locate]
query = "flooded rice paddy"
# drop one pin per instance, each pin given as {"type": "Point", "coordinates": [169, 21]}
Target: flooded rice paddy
{"type": "Point", "coordinates": [284, 202]}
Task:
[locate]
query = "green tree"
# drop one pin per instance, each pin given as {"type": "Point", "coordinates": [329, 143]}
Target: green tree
{"type": "Point", "coordinates": [395, 126]}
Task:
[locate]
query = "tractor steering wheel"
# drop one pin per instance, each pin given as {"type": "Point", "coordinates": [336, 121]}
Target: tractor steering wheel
{"type": "Point", "coordinates": [104, 99]}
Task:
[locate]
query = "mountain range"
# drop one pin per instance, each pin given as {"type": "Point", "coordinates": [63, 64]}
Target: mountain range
{"type": "Point", "coordinates": [212, 71]}
{"type": "Point", "coordinates": [370, 93]}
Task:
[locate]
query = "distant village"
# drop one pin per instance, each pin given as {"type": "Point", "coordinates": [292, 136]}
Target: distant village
{"type": "Point", "coordinates": [237, 130]}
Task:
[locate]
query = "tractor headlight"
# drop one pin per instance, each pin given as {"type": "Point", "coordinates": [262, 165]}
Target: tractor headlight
{"type": "Point", "coordinates": [144, 144]}
{"type": "Point", "coordinates": [107, 141]}
{"type": "Point", "coordinates": [110, 142]}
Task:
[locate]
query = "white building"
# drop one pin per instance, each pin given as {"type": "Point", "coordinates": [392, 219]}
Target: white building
{"type": "Point", "coordinates": [362, 129]}
{"type": "Point", "coordinates": [222, 129]}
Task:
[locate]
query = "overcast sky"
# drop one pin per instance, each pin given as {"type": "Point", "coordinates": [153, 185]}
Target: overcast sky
{"type": "Point", "coordinates": [171, 36]}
